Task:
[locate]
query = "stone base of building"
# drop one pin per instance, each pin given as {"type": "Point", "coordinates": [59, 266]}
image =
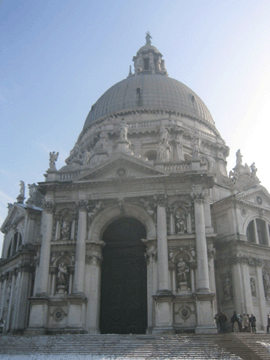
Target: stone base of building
{"type": "Point", "coordinates": [32, 331]}
{"type": "Point", "coordinates": [206, 330]}
{"type": "Point", "coordinates": [163, 330]}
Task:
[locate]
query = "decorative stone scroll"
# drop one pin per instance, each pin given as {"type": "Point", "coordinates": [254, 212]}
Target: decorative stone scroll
{"type": "Point", "coordinates": [94, 210]}
{"type": "Point", "coordinates": [151, 253]}
{"type": "Point", "coordinates": [150, 207]}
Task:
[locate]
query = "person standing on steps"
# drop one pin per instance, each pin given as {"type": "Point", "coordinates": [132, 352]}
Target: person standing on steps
{"type": "Point", "coordinates": [268, 323]}
{"type": "Point", "coordinates": [252, 320]}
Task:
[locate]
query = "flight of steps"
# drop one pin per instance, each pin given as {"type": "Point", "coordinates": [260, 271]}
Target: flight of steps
{"type": "Point", "coordinates": [95, 347]}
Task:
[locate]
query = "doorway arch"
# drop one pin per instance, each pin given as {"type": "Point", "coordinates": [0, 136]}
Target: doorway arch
{"type": "Point", "coordinates": [124, 279]}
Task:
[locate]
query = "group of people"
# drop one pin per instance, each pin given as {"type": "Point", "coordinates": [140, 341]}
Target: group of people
{"type": "Point", "coordinates": [243, 322]}
{"type": "Point", "coordinates": [239, 322]}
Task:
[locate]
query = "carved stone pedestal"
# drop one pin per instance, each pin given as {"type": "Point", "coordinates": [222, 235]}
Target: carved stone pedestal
{"type": "Point", "coordinates": [164, 314]}
{"type": "Point", "coordinates": [183, 287]}
{"type": "Point", "coordinates": [205, 313]}
{"type": "Point", "coordinates": [61, 290]}
{"type": "Point", "coordinates": [38, 316]}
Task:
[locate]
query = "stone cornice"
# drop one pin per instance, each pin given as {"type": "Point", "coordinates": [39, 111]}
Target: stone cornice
{"type": "Point", "coordinates": [201, 177]}
{"type": "Point", "coordinates": [148, 110]}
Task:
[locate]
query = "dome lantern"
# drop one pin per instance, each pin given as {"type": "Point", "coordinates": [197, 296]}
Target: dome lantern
{"type": "Point", "coordinates": [149, 60]}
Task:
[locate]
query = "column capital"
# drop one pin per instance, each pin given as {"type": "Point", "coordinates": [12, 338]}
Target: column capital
{"type": "Point", "coordinates": [82, 205]}
{"type": "Point", "coordinates": [161, 200]}
{"type": "Point", "coordinates": [94, 259]}
{"type": "Point", "coordinates": [197, 194]}
{"type": "Point", "coordinates": [48, 207]}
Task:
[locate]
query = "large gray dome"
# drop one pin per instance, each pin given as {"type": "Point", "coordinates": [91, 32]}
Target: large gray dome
{"type": "Point", "coordinates": [156, 92]}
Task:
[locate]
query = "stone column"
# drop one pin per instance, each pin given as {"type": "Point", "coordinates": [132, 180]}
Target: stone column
{"type": "Point", "coordinates": [17, 292]}
{"type": "Point", "coordinates": [204, 297]}
{"type": "Point", "coordinates": [262, 300]}
{"type": "Point", "coordinates": [10, 300]}
{"type": "Point", "coordinates": [203, 284]}
{"type": "Point", "coordinates": [247, 289]}
{"type": "Point", "coordinates": [238, 288]}
{"type": "Point", "coordinates": [162, 247]}
{"type": "Point", "coordinates": [94, 260]}
{"type": "Point", "coordinates": [43, 273]}
{"type": "Point", "coordinates": [163, 298]}
{"type": "Point", "coordinates": [79, 273]}
{"type": "Point", "coordinates": [3, 294]}
{"type": "Point", "coordinates": [151, 258]}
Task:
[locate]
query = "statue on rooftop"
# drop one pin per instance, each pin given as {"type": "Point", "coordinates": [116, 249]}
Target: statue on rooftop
{"type": "Point", "coordinates": [253, 170]}
{"type": "Point", "coordinates": [148, 38]}
{"type": "Point", "coordinates": [22, 188]}
{"type": "Point", "coordinates": [123, 128]}
{"type": "Point", "coordinates": [238, 157]}
{"type": "Point", "coordinates": [53, 159]}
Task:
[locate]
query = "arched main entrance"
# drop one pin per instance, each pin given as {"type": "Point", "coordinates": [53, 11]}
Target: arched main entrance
{"type": "Point", "coordinates": [124, 279]}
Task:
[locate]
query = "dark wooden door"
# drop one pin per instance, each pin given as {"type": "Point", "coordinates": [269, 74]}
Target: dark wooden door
{"type": "Point", "coordinates": [123, 282]}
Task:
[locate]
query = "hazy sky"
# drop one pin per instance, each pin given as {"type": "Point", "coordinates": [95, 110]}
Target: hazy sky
{"type": "Point", "coordinates": [59, 57]}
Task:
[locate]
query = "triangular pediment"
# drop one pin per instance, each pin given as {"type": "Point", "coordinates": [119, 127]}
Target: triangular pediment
{"type": "Point", "coordinates": [16, 214]}
{"type": "Point", "coordinates": [258, 196]}
{"type": "Point", "coordinates": [120, 167]}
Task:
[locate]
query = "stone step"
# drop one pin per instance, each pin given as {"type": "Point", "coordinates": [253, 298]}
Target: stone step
{"type": "Point", "coordinates": [227, 346]}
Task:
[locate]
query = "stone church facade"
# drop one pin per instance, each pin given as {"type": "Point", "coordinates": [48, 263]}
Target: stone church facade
{"type": "Point", "coordinates": [142, 231]}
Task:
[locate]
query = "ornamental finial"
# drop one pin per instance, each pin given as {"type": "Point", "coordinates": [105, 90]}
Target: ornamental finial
{"type": "Point", "coordinates": [148, 38]}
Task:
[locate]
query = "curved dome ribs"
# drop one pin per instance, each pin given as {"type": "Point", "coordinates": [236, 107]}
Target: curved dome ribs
{"type": "Point", "coordinates": [149, 89]}
{"type": "Point", "coordinates": [156, 91]}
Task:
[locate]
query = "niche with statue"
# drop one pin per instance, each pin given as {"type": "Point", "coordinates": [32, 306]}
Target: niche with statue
{"type": "Point", "coordinates": [62, 269]}
{"type": "Point", "coordinates": [182, 265]}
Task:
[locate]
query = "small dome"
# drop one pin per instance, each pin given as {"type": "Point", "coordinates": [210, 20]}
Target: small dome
{"type": "Point", "coordinates": [147, 91]}
{"type": "Point", "coordinates": [148, 48]}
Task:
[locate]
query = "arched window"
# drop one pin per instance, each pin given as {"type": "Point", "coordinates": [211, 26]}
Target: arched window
{"type": "Point", "coordinates": [258, 232]}
{"type": "Point", "coordinates": [151, 155]}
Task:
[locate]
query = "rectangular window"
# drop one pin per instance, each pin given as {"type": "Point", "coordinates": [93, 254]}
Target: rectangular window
{"type": "Point", "coordinates": [146, 64]}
